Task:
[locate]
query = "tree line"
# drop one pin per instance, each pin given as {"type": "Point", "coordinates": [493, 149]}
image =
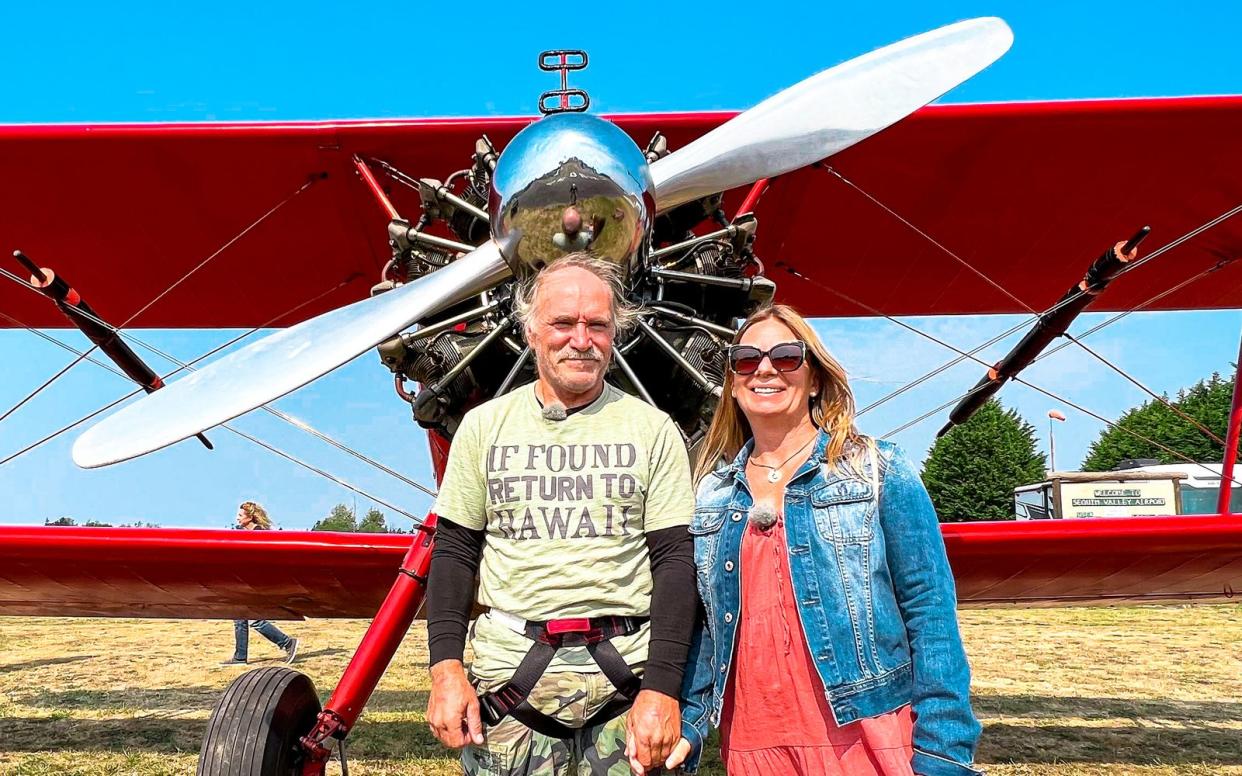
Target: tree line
{"type": "Point", "coordinates": [971, 471]}
{"type": "Point", "coordinates": [342, 519]}
{"type": "Point", "coordinates": [69, 521]}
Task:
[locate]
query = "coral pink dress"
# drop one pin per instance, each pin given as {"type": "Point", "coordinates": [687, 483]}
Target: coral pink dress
{"type": "Point", "coordinates": [776, 721]}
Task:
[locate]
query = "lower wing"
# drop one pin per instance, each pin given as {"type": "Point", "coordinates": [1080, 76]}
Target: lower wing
{"type": "Point", "coordinates": [156, 572]}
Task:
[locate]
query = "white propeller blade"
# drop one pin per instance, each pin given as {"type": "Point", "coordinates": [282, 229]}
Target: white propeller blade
{"type": "Point", "coordinates": [280, 363]}
{"type": "Point", "coordinates": [829, 112]}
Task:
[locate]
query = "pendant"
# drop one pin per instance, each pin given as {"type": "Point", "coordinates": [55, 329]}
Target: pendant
{"type": "Point", "coordinates": [774, 475]}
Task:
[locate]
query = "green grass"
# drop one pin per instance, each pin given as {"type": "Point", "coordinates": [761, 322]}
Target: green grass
{"type": "Point", "coordinates": [1073, 692]}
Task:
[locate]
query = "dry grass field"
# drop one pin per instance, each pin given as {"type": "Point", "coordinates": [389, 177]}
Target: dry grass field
{"type": "Point", "coordinates": [1083, 692]}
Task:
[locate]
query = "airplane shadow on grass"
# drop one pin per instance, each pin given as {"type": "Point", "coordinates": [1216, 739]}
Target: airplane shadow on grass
{"type": "Point", "coordinates": [170, 700]}
{"type": "Point", "coordinates": [159, 722]}
{"type": "Point", "coordinates": [1116, 730]}
{"type": "Point", "coordinates": [40, 663]}
{"type": "Point", "coordinates": [257, 661]}
{"type": "Point", "coordinates": [1060, 707]}
{"type": "Point", "coordinates": [1113, 730]}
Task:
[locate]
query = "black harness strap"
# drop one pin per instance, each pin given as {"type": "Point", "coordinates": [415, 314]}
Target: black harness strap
{"type": "Point", "coordinates": [614, 667]}
{"type": "Point", "coordinates": [595, 634]}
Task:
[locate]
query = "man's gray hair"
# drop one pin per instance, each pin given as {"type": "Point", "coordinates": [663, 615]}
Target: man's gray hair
{"type": "Point", "coordinates": [624, 312]}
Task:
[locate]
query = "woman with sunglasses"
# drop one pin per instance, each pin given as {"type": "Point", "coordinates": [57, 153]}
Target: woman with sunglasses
{"type": "Point", "coordinates": [831, 642]}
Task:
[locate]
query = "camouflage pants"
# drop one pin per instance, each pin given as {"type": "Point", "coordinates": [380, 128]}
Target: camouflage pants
{"type": "Point", "coordinates": [512, 749]}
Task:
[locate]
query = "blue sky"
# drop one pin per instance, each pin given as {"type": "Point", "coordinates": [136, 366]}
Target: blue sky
{"type": "Point", "coordinates": [93, 63]}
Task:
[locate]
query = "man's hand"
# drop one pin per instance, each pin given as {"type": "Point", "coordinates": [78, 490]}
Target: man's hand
{"type": "Point", "coordinates": [453, 708]}
{"type": "Point", "coordinates": [653, 727]}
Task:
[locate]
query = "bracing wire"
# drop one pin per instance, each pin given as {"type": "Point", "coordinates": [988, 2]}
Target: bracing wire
{"type": "Point", "coordinates": [265, 445]}
{"type": "Point", "coordinates": [972, 357]}
{"type": "Point", "coordinates": [1094, 329]}
{"type": "Point", "coordinates": [1128, 268]}
{"type": "Point", "coordinates": [290, 419]}
{"type": "Point", "coordinates": [184, 366]}
{"type": "Point", "coordinates": [309, 182]}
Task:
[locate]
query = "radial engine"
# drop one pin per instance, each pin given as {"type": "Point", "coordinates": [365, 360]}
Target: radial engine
{"type": "Point", "coordinates": [572, 182]}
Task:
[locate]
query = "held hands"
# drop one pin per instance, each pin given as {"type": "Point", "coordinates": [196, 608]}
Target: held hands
{"type": "Point", "coordinates": [653, 728]}
{"type": "Point", "coordinates": [453, 708]}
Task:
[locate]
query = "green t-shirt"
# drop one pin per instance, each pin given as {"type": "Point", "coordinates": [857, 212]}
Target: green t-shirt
{"type": "Point", "coordinates": [565, 505]}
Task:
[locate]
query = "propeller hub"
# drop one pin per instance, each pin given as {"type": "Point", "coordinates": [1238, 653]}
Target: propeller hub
{"type": "Point", "coordinates": [571, 182]}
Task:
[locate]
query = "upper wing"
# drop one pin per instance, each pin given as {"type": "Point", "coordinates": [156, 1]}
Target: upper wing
{"type": "Point", "coordinates": [125, 211]}
{"type": "Point", "coordinates": [1028, 193]}
{"type": "Point", "coordinates": [153, 572]}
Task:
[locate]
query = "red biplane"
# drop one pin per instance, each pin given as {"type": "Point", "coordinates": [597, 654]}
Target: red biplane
{"type": "Point", "coordinates": [975, 176]}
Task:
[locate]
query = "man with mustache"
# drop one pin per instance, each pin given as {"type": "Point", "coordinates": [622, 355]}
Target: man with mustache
{"type": "Point", "coordinates": [571, 500]}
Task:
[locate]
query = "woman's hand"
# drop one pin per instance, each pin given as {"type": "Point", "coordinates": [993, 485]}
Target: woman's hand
{"type": "Point", "coordinates": [679, 755]}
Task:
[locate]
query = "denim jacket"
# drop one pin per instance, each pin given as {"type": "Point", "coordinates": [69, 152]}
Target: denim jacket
{"type": "Point", "coordinates": [875, 598]}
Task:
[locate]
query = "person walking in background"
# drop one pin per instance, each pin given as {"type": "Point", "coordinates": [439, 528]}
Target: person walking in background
{"type": "Point", "coordinates": [252, 517]}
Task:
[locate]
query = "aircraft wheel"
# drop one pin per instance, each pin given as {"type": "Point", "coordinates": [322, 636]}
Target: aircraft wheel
{"type": "Point", "coordinates": [255, 726]}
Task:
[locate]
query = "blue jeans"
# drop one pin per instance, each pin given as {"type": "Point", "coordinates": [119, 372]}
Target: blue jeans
{"type": "Point", "coordinates": [241, 635]}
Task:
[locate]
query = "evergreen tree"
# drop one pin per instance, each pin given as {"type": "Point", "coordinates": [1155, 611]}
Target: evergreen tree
{"type": "Point", "coordinates": [1207, 401]}
{"type": "Point", "coordinates": [971, 471]}
{"type": "Point", "coordinates": [373, 522]}
{"type": "Point", "coordinates": [61, 521]}
{"type": "Point", "coordinates": [341, 519]}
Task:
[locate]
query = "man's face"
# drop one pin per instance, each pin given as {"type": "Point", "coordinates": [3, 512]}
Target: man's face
{"type": "Point", "coordinates": [571, 334]}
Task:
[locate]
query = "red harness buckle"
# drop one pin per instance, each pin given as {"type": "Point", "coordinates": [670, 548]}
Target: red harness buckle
{"type": "Point", "coordinates": [569, 625]}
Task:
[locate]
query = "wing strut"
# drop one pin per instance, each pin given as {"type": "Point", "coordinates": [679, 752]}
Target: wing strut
{"type": "Point", "coordinates": [1224, 498]}
{"type": "Point", "coordinates": [105, 336]}
{"type": "Point", "coordinates": [1076, 340]}
{"type": "Point", "coordinates": [1048, 327]}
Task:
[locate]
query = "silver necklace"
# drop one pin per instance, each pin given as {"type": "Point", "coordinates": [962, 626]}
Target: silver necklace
{"type": "Point", "coordinates": [774, 472]}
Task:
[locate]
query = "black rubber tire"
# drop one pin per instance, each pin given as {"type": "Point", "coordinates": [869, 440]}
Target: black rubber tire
{"type": "Point", "coordinates": [255, 726]}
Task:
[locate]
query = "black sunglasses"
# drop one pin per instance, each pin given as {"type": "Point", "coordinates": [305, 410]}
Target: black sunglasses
{"type": "Point", "coordinates": [785, 357]}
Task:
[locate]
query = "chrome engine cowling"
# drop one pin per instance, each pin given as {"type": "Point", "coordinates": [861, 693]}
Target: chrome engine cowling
{"type": "Point", "coordinates": [571, 182]}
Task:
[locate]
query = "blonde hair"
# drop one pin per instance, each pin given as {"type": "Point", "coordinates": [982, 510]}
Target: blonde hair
{"type": "Point", "coordinates": [258, 514]}
{"type": "Point", "coordinates": [831, 410]}
{"type": "Point", "coordinates": [526, 298]}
